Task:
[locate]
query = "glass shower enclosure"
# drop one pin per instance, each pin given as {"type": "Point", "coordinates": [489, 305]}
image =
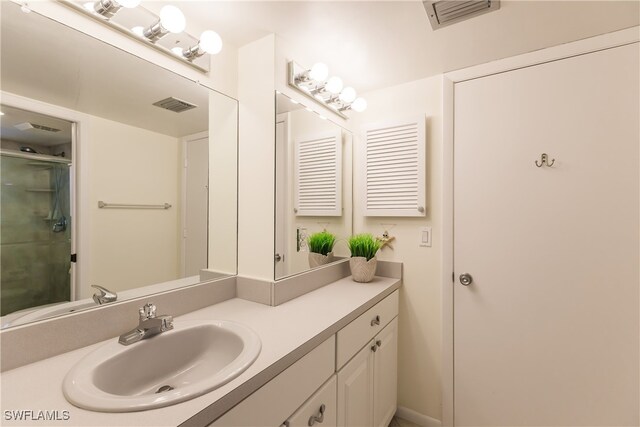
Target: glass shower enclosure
{"type": "Point", "coordinates": [35, 230]}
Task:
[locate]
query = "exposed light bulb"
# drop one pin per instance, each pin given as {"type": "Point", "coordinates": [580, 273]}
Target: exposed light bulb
{"type": "Point", "coordinates": [177, 50]}
{"type": "Point", "coordinates": [129, 4]}
{"type": "Point", "coordinates": [348, 94]}
{"type": "Point", "coordinates": [319, 71]}
{"type": "Point", "coordinates": [172, 19]}
{"type": "Point", "coordinates": [359, 105]}
{"type": "Point", "coordinates": [210, 42]}
{"type": "Point", "coordinates": [334, 85]}
{"type": "Point", "coordinates": [139, 31]}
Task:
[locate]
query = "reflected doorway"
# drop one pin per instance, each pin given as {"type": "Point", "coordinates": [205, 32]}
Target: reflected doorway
{"type": "Point", "coordinates": [35, 210]}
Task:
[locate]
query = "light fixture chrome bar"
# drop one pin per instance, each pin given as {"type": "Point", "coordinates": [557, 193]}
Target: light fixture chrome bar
{"type": "Point", "coordinates": [154, 32]}
{"type": "Point", "coordinates": [106, 8]}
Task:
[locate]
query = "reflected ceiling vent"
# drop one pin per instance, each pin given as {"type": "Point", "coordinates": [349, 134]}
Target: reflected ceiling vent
{"type": "Point", "coordinates": [446, 12]}
{"type": "Point", "coordinates": [174, 104]}
{"type": "Point", "coordinates": [27, 126]}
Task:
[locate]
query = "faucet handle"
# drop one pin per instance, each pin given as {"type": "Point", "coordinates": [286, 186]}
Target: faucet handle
{"type": "Point", "coordinates": [148, 311]}
{"type": "Point", "coordinates": [103, 295]}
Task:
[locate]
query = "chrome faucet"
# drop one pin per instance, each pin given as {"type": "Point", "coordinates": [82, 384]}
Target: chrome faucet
{"type": "Point", "coordinates": [149, 325]}
{"type": "Point", "coordinates": [103, 295]}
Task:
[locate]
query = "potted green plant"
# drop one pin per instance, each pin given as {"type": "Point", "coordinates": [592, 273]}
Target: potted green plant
{"type": "Point", "coordinates": [363, 260]}
{"type": "Point", "coordinates": [320, 248]}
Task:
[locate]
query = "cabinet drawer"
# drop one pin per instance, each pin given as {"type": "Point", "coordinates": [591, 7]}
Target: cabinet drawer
{"type": "Point", "coordinates": [276, 400]}
{"type": "Point", "coordinates": [308, 413]}
{"type": "Point", "coordinates": [356, 334]}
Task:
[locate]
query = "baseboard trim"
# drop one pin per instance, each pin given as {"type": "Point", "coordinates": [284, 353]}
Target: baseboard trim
{"type": "Point", "coordinates": [416, 417]}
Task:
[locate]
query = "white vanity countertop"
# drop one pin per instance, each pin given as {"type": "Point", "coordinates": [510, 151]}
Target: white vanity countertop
{"type": "Point", "coordinates": [282, 329]}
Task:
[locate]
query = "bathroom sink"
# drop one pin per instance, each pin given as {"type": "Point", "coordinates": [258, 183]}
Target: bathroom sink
{"type": "Point", "coordinates": [192, 359]}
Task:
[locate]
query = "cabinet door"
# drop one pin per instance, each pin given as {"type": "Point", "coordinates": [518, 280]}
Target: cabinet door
{"type": "Point", "coordinates": [311, 413]}
{"type": "Point", "coordinates": [385, 367]}
{"type": "Point", "coordinates": [355, 389]}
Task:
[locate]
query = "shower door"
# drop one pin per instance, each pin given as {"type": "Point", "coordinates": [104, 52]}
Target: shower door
{"type": "Point", "coordinates": [546, 255]}
{"type": "Point", "coordinates": [35, 237]}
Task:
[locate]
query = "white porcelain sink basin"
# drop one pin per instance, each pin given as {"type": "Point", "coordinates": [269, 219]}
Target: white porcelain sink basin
{"type": "Point", "coordinates": [193, 358]}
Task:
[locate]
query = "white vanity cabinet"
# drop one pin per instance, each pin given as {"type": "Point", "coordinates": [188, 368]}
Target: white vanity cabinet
{"type": "Point", "coordinates": [367, 360]}
{"type": "Point", "coordinates": [320, 410]}
{"type": "Point", "coordinates": [310, 393]}
{"type": "Point", "coordinates": [275, 401]}
{"type": "Point", "coordinates": [367, 385]}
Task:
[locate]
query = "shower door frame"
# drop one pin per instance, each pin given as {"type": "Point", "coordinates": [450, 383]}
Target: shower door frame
{"type": "Point", "coordinates": [580, 47]}
{"type": "Point", "coordinates": [78, 174]}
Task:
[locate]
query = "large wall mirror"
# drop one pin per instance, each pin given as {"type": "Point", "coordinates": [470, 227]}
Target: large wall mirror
{"type": "Point", "coordinates": [115, 173]}
{"type": "Point", "coordinates": [313, 188]}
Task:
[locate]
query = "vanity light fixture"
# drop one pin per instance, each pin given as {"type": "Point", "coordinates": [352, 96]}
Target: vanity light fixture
{"type": "Point", "coordinates": [163, 31]}
{"type": "Point", "coordinates": [108, 8]}
{"type": "Point", "coordinates": [210, 42]}
{"type": "Point", "coordinates": [330, 92]}
{"type": "Point", "coordinates": [171, 20]}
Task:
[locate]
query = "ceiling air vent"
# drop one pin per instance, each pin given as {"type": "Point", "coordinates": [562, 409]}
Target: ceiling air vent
{"type": "Point", "coordinates": [174, 104]}
{"type": "Point", "coordinates": [27, 126]}
{"type": "Point", "coordinates": [446, 12]}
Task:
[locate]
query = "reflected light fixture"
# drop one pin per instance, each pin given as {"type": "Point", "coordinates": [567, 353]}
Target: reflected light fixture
{"type": "Point", "coordinates": [330, 93]}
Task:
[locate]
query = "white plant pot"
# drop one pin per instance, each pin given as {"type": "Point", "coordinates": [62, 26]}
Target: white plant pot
{"type": "Point", "coordinates": [362, 270]}
{"type": "Point", "coordinates": [316, 260]}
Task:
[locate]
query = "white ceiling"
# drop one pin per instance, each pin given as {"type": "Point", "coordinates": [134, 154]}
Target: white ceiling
{"type": "Point", "coordinates": [14, 116]}
{"type": "Point", "coordinates": [375, 44]}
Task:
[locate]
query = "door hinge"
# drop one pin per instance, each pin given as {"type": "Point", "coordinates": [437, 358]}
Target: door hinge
{"type": "Point", "coordinates": [74, 258]}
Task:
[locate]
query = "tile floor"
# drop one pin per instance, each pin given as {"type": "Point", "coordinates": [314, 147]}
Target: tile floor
{"type": "Point", "coordinates": [399, 422]}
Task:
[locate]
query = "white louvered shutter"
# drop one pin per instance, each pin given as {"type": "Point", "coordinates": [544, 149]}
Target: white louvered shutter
{"type": "Point", "coordinates": [395, 169]}
{"type": "Point", "coordinates": [318, 171]}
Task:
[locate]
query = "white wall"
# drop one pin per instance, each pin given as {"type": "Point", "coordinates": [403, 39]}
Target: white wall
{"type": "Point", "coordinates": [132, 247]}
{"type": "Point", "coordinates": [223, 184]}
{"type": "Point", "coordinates": [419, 348]}
{"type": "Point", "coordinates": [256, 159]}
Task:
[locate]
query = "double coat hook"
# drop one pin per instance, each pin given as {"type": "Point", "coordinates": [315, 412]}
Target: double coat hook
{"type": "Point", "coordinates": [544, 160]}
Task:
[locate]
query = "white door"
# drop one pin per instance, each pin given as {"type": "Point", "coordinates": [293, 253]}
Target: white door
{"type": "Point", "coordinates": [547, 333]}
{"type": "Point", "coordinates": [385, 375]}
{"type": "Point", "coordinates": [197, 206]}
{"type": "Point", "coordinates": [355, 390]}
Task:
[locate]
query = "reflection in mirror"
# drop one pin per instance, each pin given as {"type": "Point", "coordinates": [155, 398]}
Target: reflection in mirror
{"type": "Point", "coordinates": [115, 173]}
{"type": "Point", "coordinates": [313, 188]}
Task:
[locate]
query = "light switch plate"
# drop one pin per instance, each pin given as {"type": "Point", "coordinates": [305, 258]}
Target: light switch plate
{"type": "Point", "coordinates": [424, 237]}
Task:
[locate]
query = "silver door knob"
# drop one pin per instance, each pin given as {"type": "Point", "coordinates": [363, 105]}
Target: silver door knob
{"type": "Point", "coordinates": [466, 279]}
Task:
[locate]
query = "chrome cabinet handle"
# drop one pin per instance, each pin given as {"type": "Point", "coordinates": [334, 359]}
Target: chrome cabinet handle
{"type": "Point", "coordinates": [318, 418]}
{"type": "Point", "coordinates": [374, 348]}
{"type": "Point", "coordinates": [278, 257]}
{"type": "Point", "coordinates": [379, 343]}
{"type": "Point", "coordinates": [466, 279]}
{"type": "Point", "coordinates": [375, 321]}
